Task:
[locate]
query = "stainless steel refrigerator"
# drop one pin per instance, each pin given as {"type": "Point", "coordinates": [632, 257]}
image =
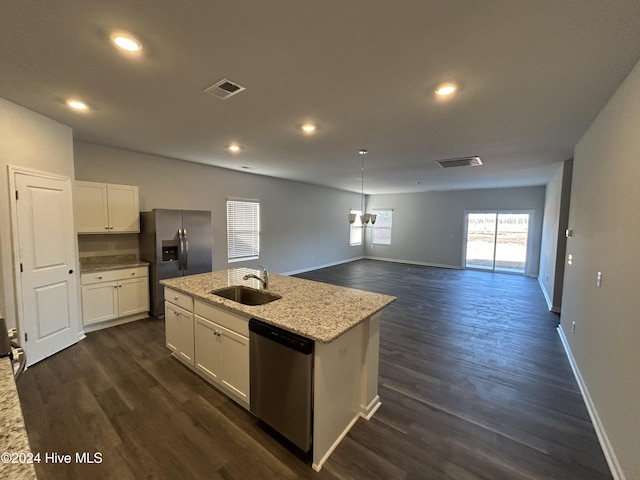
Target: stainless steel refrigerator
{"type": "Point", "coordinates": [175, 243]}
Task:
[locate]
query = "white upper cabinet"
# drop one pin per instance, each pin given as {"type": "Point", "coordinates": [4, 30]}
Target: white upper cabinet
{"type": "Point", "coordinates": [107, 208]}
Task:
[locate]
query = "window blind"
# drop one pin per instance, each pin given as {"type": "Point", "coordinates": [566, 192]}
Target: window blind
{"type": "Point", "coordinates": [243, 230]}
{"type": "Point", "coordinates": [381, 231]}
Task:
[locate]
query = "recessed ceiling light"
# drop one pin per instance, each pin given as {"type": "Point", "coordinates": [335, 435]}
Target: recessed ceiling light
{"type": "Point", "coordinates": [308, 128]}
{"type": "Point", "coordinates": [235, 148]}
{"type": "Point", "coordinates": [126, 42]}
{"type": "Point", "coordinates": [446, 89]}
{"type": "Point", "coordinates": [77, 104]}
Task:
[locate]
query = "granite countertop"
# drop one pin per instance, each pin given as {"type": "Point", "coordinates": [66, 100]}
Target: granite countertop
{"type": "Point", "coordinates": [109, 262]}
{"type": "Point", "coordinates": [316, 310]}
{"type": "Point", "coordinates": [13, 435]}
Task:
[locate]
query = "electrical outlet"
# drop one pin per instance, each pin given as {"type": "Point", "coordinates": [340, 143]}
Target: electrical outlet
{"type": "Point", "coordinates": [570, 259]}
{"type": "Point", "coordinates": [573, 327]}
{"type": "Point", "coordinates": [599, 279]}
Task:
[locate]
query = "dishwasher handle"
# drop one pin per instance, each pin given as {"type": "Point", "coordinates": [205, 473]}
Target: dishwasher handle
{"type": "Point", "coordinates": [284, 337]}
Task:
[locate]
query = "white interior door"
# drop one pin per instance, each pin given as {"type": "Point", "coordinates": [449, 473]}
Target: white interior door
{"type": "Point", "coordinates": [47, 256]}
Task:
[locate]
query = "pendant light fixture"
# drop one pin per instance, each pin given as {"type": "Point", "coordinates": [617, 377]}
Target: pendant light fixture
{"type": "Point", "coordinates": [365, 218]}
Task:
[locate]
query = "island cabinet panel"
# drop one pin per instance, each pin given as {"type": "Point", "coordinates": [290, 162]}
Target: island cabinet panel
{"type": "Point", "coordinates": [179, 332]}
{"type": "Point", "coordinates": [222, 350]}
{"type": "Point", "coordinates": [179, 299]}
{"type": "Point", "coordinates": [208, 352]}
{"type": "Point", "coordinates": [369, 398]}
{"type": "Point", "coordinates": [337, 391]}
{"type": "Point", "coordinates": [345, 385]}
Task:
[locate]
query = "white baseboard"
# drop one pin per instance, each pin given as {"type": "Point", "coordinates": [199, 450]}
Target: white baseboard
{"type": "Point", "coordinates": [92, 327]}
{"type": "Point", "coordinates": [547, 298]}
{"type": "Point", "coordinates": [318, 267]}
{"type": "Point", "coordinates": [546, 294]}
{"type": "Point", "coordinates": [607, 448]}
{"type": "Point", "coordinates": [318, 466]}
{"type": "Point", "coordinates": [413, 262]}
{"type": "Point", "coordinates": [367, 411]}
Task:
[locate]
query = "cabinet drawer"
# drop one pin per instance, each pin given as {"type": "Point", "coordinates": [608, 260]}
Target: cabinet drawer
{"type": "Point", "coordinates": [179, 299]}
{"type": "Point", "coordinates": [232, 321]}
{"type": "Point", "coordinates": [112, 275]}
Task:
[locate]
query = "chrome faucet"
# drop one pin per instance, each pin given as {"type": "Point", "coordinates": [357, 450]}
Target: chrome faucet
{"type": "Point", "coordinates": [264, 277]}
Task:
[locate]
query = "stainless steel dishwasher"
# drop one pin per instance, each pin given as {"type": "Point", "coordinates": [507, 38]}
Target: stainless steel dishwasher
{"type": "Point", "coordinates": [281, 364]}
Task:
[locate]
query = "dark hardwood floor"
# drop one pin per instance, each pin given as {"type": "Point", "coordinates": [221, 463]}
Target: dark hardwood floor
{"type": "Point", "coordinates": [474, 384]}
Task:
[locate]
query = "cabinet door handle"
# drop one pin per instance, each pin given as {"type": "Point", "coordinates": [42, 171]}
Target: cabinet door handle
{"type": "Point", "coordinates": [99, 277]}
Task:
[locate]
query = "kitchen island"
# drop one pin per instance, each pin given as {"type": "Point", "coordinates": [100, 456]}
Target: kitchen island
{"type": "Point", "coordinates": [344, 324]}
{"type": "Point", "coordinates": [17, 461]}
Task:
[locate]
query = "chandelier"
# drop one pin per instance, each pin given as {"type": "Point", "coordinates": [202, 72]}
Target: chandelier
{"type": "Point", "coordinates": [365, 218]}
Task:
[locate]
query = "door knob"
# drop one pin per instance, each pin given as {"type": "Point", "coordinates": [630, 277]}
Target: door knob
{"type": "Point", "coordinates": [70, 272]}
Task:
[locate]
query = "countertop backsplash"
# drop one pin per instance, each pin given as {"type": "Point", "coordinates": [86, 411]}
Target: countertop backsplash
{"type": "Point", "coordinates": [108, 245]}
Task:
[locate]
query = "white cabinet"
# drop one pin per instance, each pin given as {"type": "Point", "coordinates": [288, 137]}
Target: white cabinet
{"type": "Point", "coordinates": [114, 294]}
{"type": "Point", "coordinates": [222, 356]}
{"type": "Point", "coordinates": [222, 349]}
{"type": "Point", "coordinates": [99, 302]}
{"type": "Point", "coordinates": [211, 340]}
{"type": "Point", "coordinates": [178, 318]}
{"type": "Point", "coordinates": [106, 208]}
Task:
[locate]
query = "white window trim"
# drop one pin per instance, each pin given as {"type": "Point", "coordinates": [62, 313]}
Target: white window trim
{"type": "Point", "coordinates": [377, 226]}
{"type": "Point", "coordinates": [249, 225]}
{"type": "Point", "coordinates": [357, 225]}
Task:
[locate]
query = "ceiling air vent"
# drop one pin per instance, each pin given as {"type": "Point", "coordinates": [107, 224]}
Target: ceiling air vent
{"type": "Point", "coordinates": [224, 89]}
{"type": "Point", "coordinates": [460, 162]}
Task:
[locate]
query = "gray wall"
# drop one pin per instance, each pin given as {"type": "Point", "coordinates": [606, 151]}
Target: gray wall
{"type": "Point", "coordinates": [302, 226]}
{"type": "Point", "coordinates": [428, 228]}
{"type": "Point", "coordinates": [28, 140]}
{"type": "Point", "coordinates": [606, 233]}
{"type": "Point", "coordinates": [554, 241]}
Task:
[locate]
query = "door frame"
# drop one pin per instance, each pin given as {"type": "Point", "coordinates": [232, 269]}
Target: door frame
{"type": "Point", "coordinates": [15, 248]}
{"type": "Point", "coordinates": [529, 254]}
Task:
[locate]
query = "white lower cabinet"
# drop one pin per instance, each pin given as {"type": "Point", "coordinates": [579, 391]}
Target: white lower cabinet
{"type": "Point", "coordinates": [222, 349]}
{"type": "Point", "coordinates": [114, 294]}
{"type": "Point", "coordinates": [222, 356]}
{"type": "Point", "coordinates": [179, 332]}
{"type": "Point", "coordinates": [211, 340]}
{"type": "Point", "coordinates": [99, 302]}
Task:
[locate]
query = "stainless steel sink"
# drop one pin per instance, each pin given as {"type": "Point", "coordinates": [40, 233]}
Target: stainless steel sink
{"type": "Point", "coordinates": [246, 295]}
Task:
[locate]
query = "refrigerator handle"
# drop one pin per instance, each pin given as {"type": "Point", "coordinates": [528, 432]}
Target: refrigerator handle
{"type": "Point", "coordinates": [180, 249]}
{"type": "Point", "coordinates": [185, 250]}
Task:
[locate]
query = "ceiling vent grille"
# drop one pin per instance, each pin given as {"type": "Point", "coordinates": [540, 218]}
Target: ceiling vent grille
{"type": "Point", "coordinates": [460, 162]}
{"type": "Point", "coordinates": [224, 89]}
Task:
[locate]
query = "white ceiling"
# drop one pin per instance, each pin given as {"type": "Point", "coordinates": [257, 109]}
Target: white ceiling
{"type": "Point", "coordinates": [533, 74]}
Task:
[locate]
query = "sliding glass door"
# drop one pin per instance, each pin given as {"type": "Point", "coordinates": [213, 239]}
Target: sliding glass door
{"type": "Point", "coordinates": [497, 241]}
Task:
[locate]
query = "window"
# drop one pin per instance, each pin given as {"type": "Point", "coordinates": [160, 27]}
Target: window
{"type": "Point", "coordinates": [243, 230]}
{"type": "Point", "coordinates": [355, 229]}
{"type": "Point", "coordinates": [381, 231]}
